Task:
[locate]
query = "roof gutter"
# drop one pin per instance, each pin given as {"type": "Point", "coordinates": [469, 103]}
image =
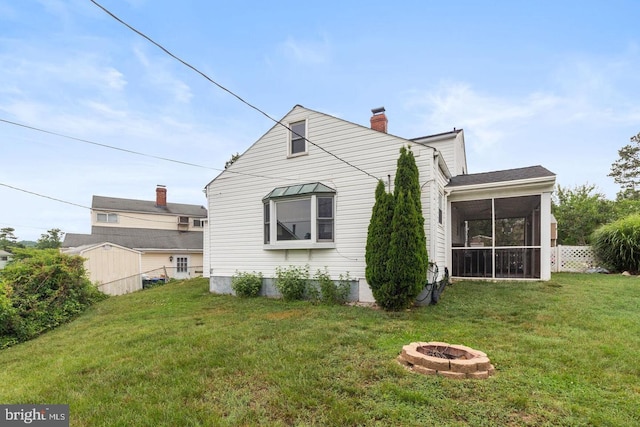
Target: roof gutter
{"type": "Point", "coordinates": [531, 182]}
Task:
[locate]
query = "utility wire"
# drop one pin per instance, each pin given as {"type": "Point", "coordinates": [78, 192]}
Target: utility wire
{"type": "Point", "coordinates": [81, 206]}
{"type": "Point", "coordinates": [165, 50]}
{"type": "Point", "coordinates": [46, 197]}
{"type": "Point", "coordinates": [138, 153]}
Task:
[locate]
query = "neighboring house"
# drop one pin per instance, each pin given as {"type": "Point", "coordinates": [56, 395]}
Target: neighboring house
{"type": "Point", "coordinates": [304, 197]}
{"type": "Point", "coordinates": [5, 257]}
{"type": "Point", "coordinates": [160, 239]}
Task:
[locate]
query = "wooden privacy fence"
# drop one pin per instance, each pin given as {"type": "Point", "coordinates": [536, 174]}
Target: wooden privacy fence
{"type": "Point", "coordinates": [575, 259]}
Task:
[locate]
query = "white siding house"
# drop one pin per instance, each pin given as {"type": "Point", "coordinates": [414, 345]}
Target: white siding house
{"type": "Point", "coordinates": [304, 197]}
{"type": "Point", "coordinates": [5, 257]}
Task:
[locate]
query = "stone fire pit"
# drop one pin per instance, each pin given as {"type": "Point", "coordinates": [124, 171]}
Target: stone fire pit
{"type": "Point", "coordinates": [448, 360]}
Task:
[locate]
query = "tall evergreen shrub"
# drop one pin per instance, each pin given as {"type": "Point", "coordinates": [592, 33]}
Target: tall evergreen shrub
{"type": "Point", "coordinates": [378, 239]}
{"type": "Point", "coordinates": [397, 267]}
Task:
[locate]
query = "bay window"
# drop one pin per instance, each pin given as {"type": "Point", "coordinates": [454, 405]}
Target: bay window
{"type": "Point", "coordinates": [303, 216]}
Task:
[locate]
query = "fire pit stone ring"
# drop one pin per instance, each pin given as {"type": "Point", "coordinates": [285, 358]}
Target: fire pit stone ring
{"type": "Point", "coordinates": [447, 360]}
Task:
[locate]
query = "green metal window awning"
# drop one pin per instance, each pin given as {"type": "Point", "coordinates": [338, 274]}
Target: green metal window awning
{"type": "Point", "coordinates": [299, 190]}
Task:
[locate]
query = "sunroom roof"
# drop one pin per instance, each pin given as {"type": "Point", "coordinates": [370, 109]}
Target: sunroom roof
{"type": "Point", "coordinates": [299, 189]}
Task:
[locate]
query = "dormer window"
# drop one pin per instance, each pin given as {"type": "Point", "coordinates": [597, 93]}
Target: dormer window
{"type": "Point", "coordinates": [297, 138]}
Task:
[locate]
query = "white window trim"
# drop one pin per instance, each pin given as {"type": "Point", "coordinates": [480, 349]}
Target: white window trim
{"type": "Point", "coordinates": [290, 139]}
{"type": "Point", "coordinates": [312, 243]}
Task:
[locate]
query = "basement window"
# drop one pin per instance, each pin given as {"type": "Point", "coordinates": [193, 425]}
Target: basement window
{"type": "Point", "coordinates": [303, 217]}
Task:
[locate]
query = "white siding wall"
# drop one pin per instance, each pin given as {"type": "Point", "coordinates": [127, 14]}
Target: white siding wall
{"type": "Point", "coordinates": [206, 256]}
{"type": "Point", "coordinates": [235, 199]}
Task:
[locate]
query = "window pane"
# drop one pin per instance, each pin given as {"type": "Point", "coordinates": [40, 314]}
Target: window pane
{"type": "Point", "coordinates": [298, 146]}
{"type": "Point", "coordinates": [294, 219]}
{"type": "Point", "coordinates": [298, 128]}
{"type": "Point", "coordinates": [325, 207]}
{"type": "Point", "coordinates": [102, 217]}
{"type": "Point", "coordinates": [325, 229]}
{"type": "Point", "coordinates": [267, 224]}
{"type": "Point", "coordinates": [181, 264]}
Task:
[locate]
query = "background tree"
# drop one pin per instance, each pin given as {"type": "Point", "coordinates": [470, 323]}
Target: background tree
{"type": "Point", "coordinates": [232, 160]}
{"type": "Point", "coordinates": [579, 211]}
{"type": "Point", "coordinates": [8, 240]}
{"type": "Point", "coordinates": [378, 238]}
{"type": "Point", "coordinates": [51, 240]}
{"type": "Point", "coordinates": [626, 170]}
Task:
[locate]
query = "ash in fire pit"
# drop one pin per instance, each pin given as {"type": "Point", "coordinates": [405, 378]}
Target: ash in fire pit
{"type": "Point", "coordinates": [452, 361]}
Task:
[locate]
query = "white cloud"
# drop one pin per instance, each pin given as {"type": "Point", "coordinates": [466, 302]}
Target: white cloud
{"type": "Point", "coordinates": [114, 78]}
{"type": "Point", "coordinates": [307, 52]}
{"type": "Point", "coordinates": [159, 75]}
{"type": "Point", "coordinates": [489, 118]}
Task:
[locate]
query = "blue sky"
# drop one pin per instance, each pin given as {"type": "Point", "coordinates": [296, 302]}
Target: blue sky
{"type": "Point", "coordinates": [555, 83]}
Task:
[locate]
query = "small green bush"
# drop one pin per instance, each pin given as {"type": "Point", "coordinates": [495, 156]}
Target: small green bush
{"type": "Point", "coordinates": [246, 285]}
{"type": "Point", "coordinates": [292, 282]}
{"type": "Point", "coordinates": [330, 292]}
{"type": "Point", "coordinates": [617, 244]}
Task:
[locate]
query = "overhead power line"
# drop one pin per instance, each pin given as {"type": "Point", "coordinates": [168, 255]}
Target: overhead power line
{"type": "Point", "coordinates": [42, 195]}
{"type": "Point", "coordinates": [125, 150]}
{"type": "Point", "coordinates": [86, 141]}
{"type": "Point", "coordinates": [81, 206]}
{"type": "Point", "coordinates": [239, 98]}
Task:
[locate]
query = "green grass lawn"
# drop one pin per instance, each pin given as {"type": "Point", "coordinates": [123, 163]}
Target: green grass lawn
{"type": "Point", "coordinates": [565, 352]}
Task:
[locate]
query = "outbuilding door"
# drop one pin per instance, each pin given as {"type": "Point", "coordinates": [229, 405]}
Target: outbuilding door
{"type": "Point", "coordinates": [181, 266]}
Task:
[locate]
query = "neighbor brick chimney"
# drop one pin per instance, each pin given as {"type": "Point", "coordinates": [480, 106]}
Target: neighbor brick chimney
{"type": "Point", "coordinates": [379, 120]}
{"type": "Point", "coordinates": [161, 196]}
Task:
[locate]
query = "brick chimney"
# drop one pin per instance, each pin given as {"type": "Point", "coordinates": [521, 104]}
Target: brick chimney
{"type": "Point", "coordinates": [379, 120]}
{"type": "Point", "coordinates": [161, 196]}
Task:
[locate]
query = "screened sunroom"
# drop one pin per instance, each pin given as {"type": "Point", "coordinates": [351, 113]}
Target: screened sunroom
{"type": "Point", "coordinates": [499, 224]}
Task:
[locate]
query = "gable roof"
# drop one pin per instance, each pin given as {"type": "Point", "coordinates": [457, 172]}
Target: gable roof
{"type": "Point", "coordinates": [138, 238]}
{"type": "Point", "coordinates": [146, 206]}
{"type": "Point", "coordinates": [283, 121]}
{"type": "Point", "coordinates": [519, 174]}
{"type": "Point", "coordinates": [79, 250]}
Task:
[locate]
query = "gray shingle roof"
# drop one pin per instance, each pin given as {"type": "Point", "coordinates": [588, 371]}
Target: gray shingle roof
{"type": "Point", "coordinates": [146, 206]}
{"type": "Point", "coordinates": [137, 238]}
{"type": "Point", "coordinates": [517, 174]}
